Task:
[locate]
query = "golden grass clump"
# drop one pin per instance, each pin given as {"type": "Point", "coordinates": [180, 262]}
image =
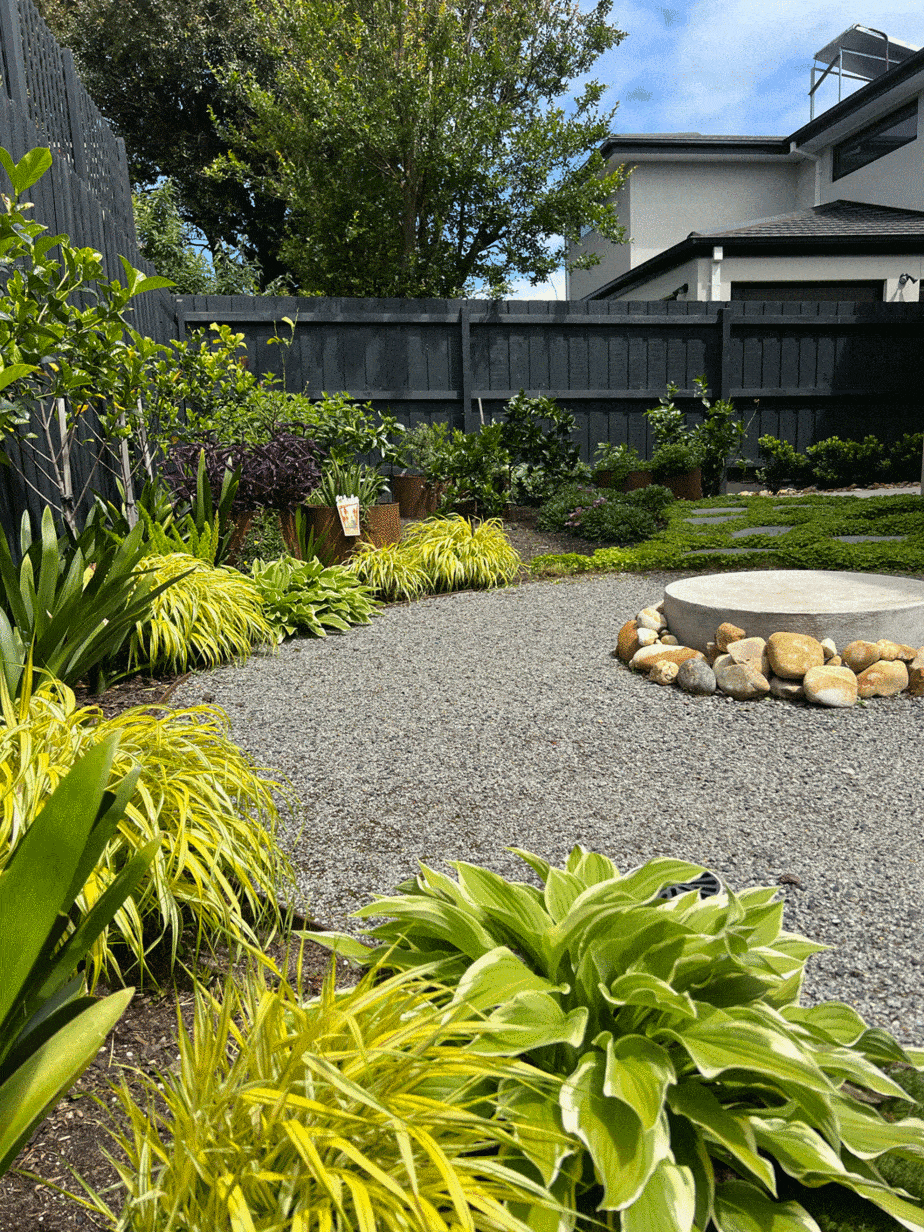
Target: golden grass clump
{"type": "Point", "coordinates": [218, 866]}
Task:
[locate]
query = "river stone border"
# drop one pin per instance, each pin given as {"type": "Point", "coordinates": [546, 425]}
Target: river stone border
{"type": "Point", "coordinates": [788, 666]}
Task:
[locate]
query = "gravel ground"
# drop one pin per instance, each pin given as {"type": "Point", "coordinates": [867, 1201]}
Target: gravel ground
{"type": "Point", "coordinates": [455, 727]}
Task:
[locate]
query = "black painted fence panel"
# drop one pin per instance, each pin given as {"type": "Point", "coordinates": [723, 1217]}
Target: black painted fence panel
{"type": "Point", "coordinates": [802, 371]}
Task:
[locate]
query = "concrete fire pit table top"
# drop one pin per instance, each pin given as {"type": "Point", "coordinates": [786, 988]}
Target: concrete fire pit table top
{"type": "Point", "coordinates": [847, 607]}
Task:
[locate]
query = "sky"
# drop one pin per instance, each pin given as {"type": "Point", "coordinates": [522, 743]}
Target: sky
{"type": "Point", "coordinates": [730, 67]}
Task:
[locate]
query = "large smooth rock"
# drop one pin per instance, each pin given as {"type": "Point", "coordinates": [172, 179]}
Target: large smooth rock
{"type": "Point", "coordinates": [649, 618]}
{"type": "Point", "coordinates": [751, 650]}
{"type": "Point", "coordinates": [791, 655]}
{"type": "Point", "coordinates": [830, 686]}
{"type": "Point", "coordinates": [742, 682]}
{"type": "Point", "coordinates": [727, 633]}
{"type": "Point", "coordinates": [823, 603]}
{"type": "Point", "coordinates": [860, 654]}
{"type": "Point", "coordinates": [786, 690]}
{"type": "Point", "coordinates": [916, 675]}
{"type": "Point", "coordinates": [664, 672]}
{"type": "Point", "coordinates": [627, 641]}
{"type": "Point", "coordinates": [885, 679]}
{"type": "Point", "coordinates": [695, 676]}
{"type": "Point", "coordinates": [646, 657]}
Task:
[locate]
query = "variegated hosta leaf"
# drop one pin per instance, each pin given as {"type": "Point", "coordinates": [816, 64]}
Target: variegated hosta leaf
{"type": "Point", "coordinates": [624, 1154]}
{"type": "Point", "coordinates": [695, 1047]}
{"type": "Point", "coordinates": [740, 1207]}
{"type": "Point", "coordinates": [667, 1201]}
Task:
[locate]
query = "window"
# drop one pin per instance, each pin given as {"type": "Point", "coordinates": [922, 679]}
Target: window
{"type": "Point", "coordinates": [849, 292]}
{"type": "Point", "coordinates": [886, 135]}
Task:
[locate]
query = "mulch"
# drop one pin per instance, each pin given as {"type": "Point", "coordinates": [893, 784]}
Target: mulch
{"type": "Point", "coordinates": [74, 1136]}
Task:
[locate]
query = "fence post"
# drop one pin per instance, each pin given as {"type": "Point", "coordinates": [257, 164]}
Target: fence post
{"type": "Point", "coordinates": [78, 136]}
{"type": "Point", "coordinates": [465, 347]}
{"type": "Point", "coordinates": [11, 37]}
{"type": "Point", "coordinates": [724, 323]}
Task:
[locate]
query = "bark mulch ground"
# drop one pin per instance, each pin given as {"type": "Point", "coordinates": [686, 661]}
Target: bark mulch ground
{"type": "Point", "coordinates": [73, 1136]}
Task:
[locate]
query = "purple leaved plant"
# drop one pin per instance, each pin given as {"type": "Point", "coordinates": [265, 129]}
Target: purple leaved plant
{"type": "Point", "coordinates": [279, 474]}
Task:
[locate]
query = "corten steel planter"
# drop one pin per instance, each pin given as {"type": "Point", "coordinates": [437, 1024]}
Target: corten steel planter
{"type": "Point", "coordinates": [688, 485]}
{"type": "Point", "coordinates": [637, 479]}
{"type": "Point", "coordinates": [416, 497]}
{"type": "Point", "coordinates": [381, 525]}
{"type": "Point", "coordinates": [238, 535]}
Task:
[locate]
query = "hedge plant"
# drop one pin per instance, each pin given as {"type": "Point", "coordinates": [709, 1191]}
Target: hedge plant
{"type": "Point", "coordinates": [691, 1076]}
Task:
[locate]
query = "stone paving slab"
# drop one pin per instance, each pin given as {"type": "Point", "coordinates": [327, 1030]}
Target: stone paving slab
{"type": "Point", "coordinates": [710, 521]}
{"type": "Point", "coordinates": [759, 530]}
{"type": "Point", "coordinates": [868, 538]}
{"type": "Point", "coordinates": [722, 551]}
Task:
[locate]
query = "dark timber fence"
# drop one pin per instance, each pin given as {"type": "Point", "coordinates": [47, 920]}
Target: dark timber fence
{"type": "Point", "coordinates": [799, 371]}
{"type": "Point", "coordinates": [86, 195]}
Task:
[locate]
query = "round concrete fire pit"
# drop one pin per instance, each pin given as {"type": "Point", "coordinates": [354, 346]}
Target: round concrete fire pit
{"type": "Point", "coordinates": [844, 606]}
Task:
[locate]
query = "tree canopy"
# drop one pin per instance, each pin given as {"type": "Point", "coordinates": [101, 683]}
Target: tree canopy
{"type": "Point", "coordinates": [152, 67]}
{"type": "Point", "coordinates": [422, 147]}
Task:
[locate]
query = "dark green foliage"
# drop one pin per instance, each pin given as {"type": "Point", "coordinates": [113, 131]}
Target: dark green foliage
{"type": "Point", "coordinates": [537, 433]}
{"type": "Point", "coordinates": [477, 469]}
{"type": "Point", "coordinates": [674, 459]}
{"type": "Point", "coordinates": [605, 515]}
{"type": "Point", "coordinates": [836, 463]}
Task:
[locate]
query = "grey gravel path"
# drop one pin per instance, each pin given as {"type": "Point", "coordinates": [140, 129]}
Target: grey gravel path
{"type": "Point", "coordinates": [457, 726]}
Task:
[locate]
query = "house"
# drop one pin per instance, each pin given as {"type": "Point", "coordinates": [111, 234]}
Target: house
{"type": "Point", "coordinates": [833, 211]}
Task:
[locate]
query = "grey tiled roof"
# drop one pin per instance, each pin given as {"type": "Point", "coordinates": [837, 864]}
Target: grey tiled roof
{"type": "Point", "coordinates": [837, 218]}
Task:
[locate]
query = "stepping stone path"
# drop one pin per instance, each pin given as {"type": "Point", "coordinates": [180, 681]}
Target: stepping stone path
{"type": "Point", "coordinates": [759, 530]}
{"type": "Point", "coordinates": [868, 538]}
{"type": "Point", "coordinates": [715, 517]}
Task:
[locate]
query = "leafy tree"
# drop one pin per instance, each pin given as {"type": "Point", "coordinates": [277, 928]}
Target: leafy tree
{"type": "Point", "coordinates": [151, 66]}
{"type": "Point", "coordinates": [170, 244]}
{"type": "Point", "coordinates": [422, 148]}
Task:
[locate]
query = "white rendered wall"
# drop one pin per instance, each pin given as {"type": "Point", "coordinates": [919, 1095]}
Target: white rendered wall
{"type": "Point", "coordinates": [698, 274]}
{"type": "Point", "coordinates": [614, 258]}
{"type": "Point", "coordinates": [897, 179]}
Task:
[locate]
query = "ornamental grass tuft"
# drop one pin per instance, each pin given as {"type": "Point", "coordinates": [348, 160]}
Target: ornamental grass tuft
{"type": "Point", "coordinates": [438, 555]}
{"type": "Point", "coordinates": [210, 616]}
{"type": "Point", "coordinates": [211, 812]}
{"type": "Point", "coordinates": [356, 1111]}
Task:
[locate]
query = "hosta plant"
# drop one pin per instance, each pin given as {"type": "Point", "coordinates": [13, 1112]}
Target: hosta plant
{"type": "Point", "coordinates": [50, 1029]}
{"type": "Point", "coordinates": [207, 616]}
{"type": "Point", "coordinates": [692, 1075]}
{"type": "Point", "coordinates": [302, 596]}
{"type": "Point", "coordinates": [198, 798]}
{"type": "Point", "coordinates": [358, 1111]}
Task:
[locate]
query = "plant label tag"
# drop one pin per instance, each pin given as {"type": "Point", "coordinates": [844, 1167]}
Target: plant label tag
{"type": "Point", "coordinates": [348, 511]}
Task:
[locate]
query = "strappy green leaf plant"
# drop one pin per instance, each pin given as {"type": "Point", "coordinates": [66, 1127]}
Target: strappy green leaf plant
{"type": "Point", "coordinates": [692, 1075]}
{"type": "Point", "coordinates": [50, 1030]}
{"type": "Point", "coordinates": [74, 612]}
{"type": "Point", "coordinates": [198, 798]}
{"type": "Point", "coordinates": [302, 596]}
{"type": "Point", "coordinates": [357, 1111]}
{"type": "Point", "coordinates": [207, 616]}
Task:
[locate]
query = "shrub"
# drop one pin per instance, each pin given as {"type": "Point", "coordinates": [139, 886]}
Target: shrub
{"type": "Point", "coordinates": [198, 797]}
{"type": "Point", "coordinates": [904, 460]}
{"type": "Point", "coordinates": [618, 460]}
{"type": "Point", "coordinates": [673, 459]}
{"type": "Point", "coordinates": [358, 1110]}
{"type": "Point", "coordinates": [675, 1024]}
{"type": "Point", "coordinates": [302, 596]}
{"type": "Point", "coordinates": [50, 1029]}
{"type": "Point", "coordinates": [537, 434]}
{"type": "Point", "coordinates": [277, 474]}
{"type": "Point", "coordinates": [601, 514]}
{"type": "Point", "coordinates": [208, 616]}
{"type": "Point", "coordinates": [782, 464]}
{"type": "Point", "coordinates": [837, 464]}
